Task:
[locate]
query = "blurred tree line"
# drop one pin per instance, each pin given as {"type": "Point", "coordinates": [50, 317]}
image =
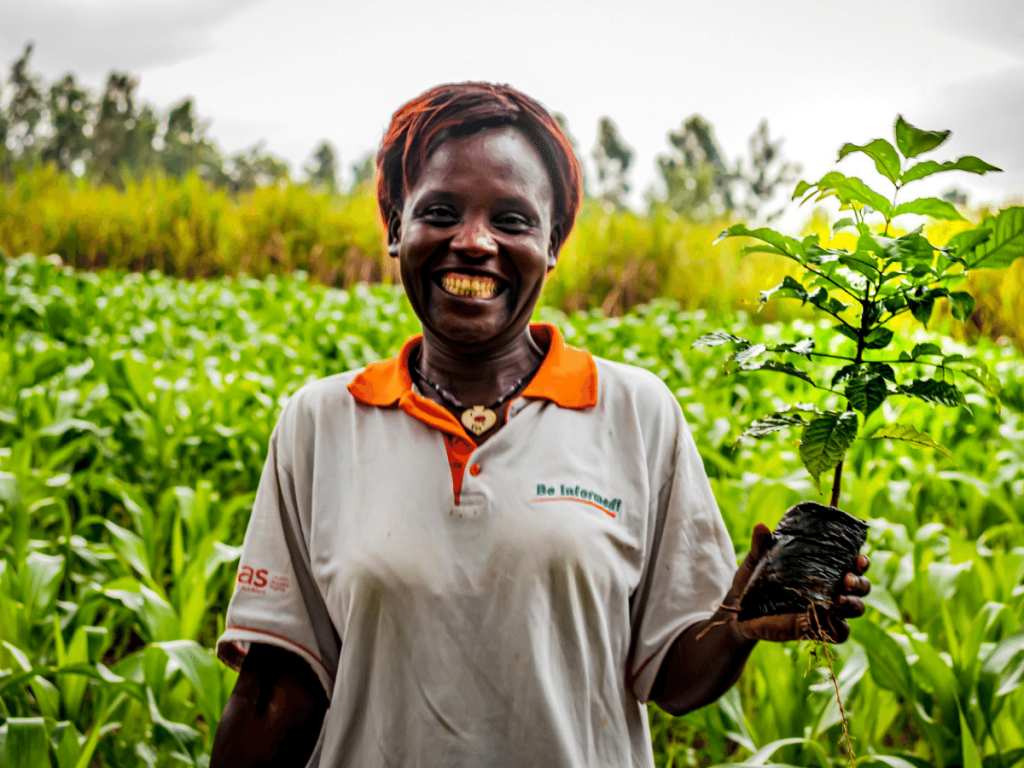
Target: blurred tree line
{"type": "Point", "coordinates": [112, 138]}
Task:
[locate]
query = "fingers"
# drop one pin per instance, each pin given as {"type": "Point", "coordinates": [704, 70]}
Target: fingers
{"type": "Point", "coordinates": [856, 585]}
{"type": "Point", "coordinates": [848, 607]}
{"type": "Point", "coordinates": [862, 564]}
{"type": "Point", "coordinates": [831, 627]}
{"type": "Point", "coordinates": [760, 541]}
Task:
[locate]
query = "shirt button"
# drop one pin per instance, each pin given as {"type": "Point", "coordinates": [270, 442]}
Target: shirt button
{"type": "Point", "coordinates": [474, 469]}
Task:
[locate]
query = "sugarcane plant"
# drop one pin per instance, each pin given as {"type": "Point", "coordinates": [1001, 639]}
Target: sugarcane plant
{"type": "Point", "coordinates": [863, 290]}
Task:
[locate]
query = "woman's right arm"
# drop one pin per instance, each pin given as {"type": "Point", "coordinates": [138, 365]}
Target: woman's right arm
{"type": "Point", "coordinates": [274, 715]}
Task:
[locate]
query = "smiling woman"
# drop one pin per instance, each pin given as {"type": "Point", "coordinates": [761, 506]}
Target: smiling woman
{"type": "Point", "coordinates": [416, 613]}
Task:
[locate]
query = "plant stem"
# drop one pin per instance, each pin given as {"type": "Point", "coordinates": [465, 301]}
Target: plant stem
{"type": "Point", "coordinates": [837, 480]}
{"type": "Point", "coordinates": [862, 333]}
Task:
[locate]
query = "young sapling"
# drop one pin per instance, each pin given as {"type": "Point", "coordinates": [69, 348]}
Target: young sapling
{"type": "Point", "coordinates": [862, 290]}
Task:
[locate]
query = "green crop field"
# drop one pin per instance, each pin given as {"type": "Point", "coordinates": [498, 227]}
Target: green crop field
{"type": "Point", "coordinates": [135, 411]}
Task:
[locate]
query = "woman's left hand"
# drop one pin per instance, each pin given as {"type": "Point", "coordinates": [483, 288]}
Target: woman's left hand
{"type": "Point", "coordinates": [848, 604]}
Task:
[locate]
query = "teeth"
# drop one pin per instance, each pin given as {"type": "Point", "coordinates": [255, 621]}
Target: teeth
{"type": "Point", "coordinates": [466, 285]}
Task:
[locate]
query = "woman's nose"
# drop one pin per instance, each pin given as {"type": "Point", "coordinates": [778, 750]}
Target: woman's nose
{"type": "Point", "coordinates": [474, 238]}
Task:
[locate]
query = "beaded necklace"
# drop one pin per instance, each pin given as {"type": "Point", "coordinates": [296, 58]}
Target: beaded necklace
{"type": "Point", "coordinates": [477, 418]}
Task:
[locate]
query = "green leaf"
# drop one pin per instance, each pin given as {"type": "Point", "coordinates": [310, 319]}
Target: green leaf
{"type": "Point", "coordinates": [787, 246]}
{"type": "Point", "coordinates": [804, 347]}
{"type": "Point", "coordinates": [866, 393]}
{"type": "Point", "coordinates": [769, 425]}
{"type": "Point", "coordinates": [40, 578]}
{"type": "Point", "coordinates": [863, 263]}
{"type": "Point", "coordinates": [882, 152]}
{"type": "Point", "coordinates": [932, 391]}
{"type": "Point", "coordinates": [961, 304]}
{"type": "Point", "coordinates": [843, 224]}
{"type": "Point", "coordinates": [789, 288]}
{"type": "Point", "coordinates": [1009, 758]}
{"type": "Point", "coordinates": [971, 759]}
{"type": "Point", "coordinates": [909, 434]}
{"type": "Point", "coordinates": [963, 243]}
{"type": "Point", "coordinates": [928, 349]}
{"type": "Point", "coordinates": [929, 167]}
{"type": "Point", "coordinates": [749, 353]}
{"type": "Point", "coordinates": [199, 667]}
{"type": "Point", "coordinates": [913, 141]}
{"type": "Point", "coordinates": [27, 743]}
{"type": "Point", "coordinates": [888, 663]}
{"type": "Point", "coordinates": [975, 369]}
{"type": "Point", "coordinates": [824, 441]}
{"type": "Point", "coordinates": [718, 338]}
{"type": "Point", "coordinates": [878, 338]}
{"type": "Point", "coordinates": [1005, 245]}
{"type": "Point", "coordinates": [1005, 663]}
{"type": "Point", "coordinates": [921, 307]}
{"type": "Point", "coordinates": [929, 206]}
{"type": "Point", "coordinates": [851, 189]}
{"type": "Point", "coordinates": [68, 749]}
{"type": "Point", "coordinates": [778, 367]}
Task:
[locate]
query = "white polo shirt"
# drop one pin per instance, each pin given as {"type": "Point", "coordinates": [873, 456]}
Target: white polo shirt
{"type": "Point", "coordinates": [501, 605]}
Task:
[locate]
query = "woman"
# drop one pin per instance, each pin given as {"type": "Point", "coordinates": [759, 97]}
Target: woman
{"type": "Point", "coordinates": [490, 550]}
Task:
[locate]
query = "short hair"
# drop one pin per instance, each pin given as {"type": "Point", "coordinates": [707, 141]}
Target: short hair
{"type": "Point", "coordinates": [454, 110]}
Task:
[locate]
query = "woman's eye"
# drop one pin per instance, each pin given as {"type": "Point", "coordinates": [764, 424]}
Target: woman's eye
{"type": "Point", "coordinates": [513, 221]}
{"type": "Point", "coordinates": [439, 213]}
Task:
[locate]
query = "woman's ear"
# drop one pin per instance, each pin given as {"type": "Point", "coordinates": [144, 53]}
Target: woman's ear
{"type": "Point", "coordinates": [394, 232]}
{"type": "Point", "coordinates": [554, 246]}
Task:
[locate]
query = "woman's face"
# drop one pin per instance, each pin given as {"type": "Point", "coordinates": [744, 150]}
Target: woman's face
{"type": "Point", "coordinates": [474, 239]}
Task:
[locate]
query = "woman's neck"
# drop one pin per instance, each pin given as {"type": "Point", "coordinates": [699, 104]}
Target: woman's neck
{"type": "Point", "coordinates": [479, 379]}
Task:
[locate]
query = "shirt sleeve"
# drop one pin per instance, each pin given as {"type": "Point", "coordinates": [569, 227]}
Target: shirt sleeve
{"type": "Point", "coordinates": [276, 600]}
{"type": "Point", "coordinates": [690, 558]}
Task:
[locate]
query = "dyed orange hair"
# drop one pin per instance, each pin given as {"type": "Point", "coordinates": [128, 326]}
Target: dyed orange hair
{"type": "Point", "coordinates": [459, 109]}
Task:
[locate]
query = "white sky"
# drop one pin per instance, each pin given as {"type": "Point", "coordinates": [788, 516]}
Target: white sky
{"type": "Point", "coordinates": [821, 71]}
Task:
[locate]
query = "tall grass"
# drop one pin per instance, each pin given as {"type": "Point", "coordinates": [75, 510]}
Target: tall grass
{"type": "Point", "coordinates": [614, 260]}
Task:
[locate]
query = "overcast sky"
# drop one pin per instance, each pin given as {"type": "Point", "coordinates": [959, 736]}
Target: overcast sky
{"type": "Point", "coordinates": [822, 72]}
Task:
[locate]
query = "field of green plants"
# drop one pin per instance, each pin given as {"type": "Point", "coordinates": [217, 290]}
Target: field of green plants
{"type": "Point", "coordinates": [135, 411]}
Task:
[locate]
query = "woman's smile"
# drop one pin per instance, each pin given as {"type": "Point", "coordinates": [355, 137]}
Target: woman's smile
{"type": "Point", "coordinates": [469, 286]}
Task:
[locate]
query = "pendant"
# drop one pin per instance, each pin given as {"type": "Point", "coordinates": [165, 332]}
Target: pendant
{"type": "Point", "coordinates": [478, 419]}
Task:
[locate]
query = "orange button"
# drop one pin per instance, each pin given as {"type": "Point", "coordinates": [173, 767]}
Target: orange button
{"type": "Point", "coordinates": [474, 469]}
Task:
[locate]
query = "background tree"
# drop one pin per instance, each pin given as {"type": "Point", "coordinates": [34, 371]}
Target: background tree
{"type": "Point", "coordinates": [612, 158]}
{"type": "Point", "coordinates": [764, 174]}
{"type": "Point", "coordinates": [122, 140]}
{"type": "Point", "coordinates": [362, 171]}
{"type": "Point", "coordinates": [254, 168]}
{"type": "Point", "coordinates": [69, 108]}
{"type": "Point", "coordinates": [322, 172]}
{"type": "Point", "coordinates": [184, 148]}
{"type": "Point", "coordinates": [697, 181]}
{"type": "Point", "coordinates": [24, 112]}
{"type": "Point", "coordinates": [700, 183]}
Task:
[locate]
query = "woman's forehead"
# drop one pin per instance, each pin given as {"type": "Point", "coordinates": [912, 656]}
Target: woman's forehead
{"type": "Point", "coordinates": [502, 155]}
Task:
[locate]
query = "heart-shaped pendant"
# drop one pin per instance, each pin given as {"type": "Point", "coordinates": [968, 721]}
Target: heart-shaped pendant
{"type": "Point", "coordinates": [478, 419]}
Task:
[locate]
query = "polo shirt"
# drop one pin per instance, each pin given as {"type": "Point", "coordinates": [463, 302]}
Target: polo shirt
{"type": "Point", "coordinates": [502, 605]}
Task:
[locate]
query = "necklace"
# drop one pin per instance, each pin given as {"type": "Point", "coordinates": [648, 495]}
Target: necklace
{"type": "Point", "coordinates": [477, 418]}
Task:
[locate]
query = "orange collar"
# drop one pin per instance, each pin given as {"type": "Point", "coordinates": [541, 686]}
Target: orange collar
{"type": "Point", "coordinates": [567, 377]}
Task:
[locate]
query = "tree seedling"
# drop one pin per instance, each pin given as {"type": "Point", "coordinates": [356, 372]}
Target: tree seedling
{"type": "Point", "coordinates": [863, 290]}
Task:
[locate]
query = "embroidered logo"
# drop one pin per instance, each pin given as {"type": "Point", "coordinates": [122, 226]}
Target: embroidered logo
{"type": "Point", "coordinates": [259, 580]}
{"type": "Point", "coordinates": [547, 492]}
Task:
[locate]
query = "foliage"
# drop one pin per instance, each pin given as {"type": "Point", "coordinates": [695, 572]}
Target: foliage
{"type": "Point", "coordinates": [113, 139]}
{"type": "Point", "coordinates": [865, 287]}
{"type": "Point", "coordinates": [614, 260]}
{"type": "Point", "coordinates": [612, 158]}
{"type": "Point", "coordinates": [135, 413]}
{"type": "Point", "coordinates": [700, 184]}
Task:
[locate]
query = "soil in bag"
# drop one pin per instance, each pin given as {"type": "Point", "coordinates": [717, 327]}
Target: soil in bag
{"type": "Point", "coordinates": [813, 547]}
